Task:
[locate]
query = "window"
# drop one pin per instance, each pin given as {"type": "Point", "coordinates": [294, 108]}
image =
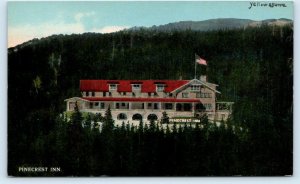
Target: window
{"type": "Point", "coordinates": [112, 87]}
{"type": "Point", "coordinates": [169, 106]}
{"type": "Point", "coordinates": [208, 95]}
{"type": "Point", "coordinates": [104, 94]}
{"type": "Point", "coordinates": [87, 93]}
{"type": "Point", "coordinates": [160, 88]}
{"type": "Point", "coordinates": [198, 95]}
{"type": "Point", "coordinates": [91, 105]}
{"type": "Point", "coordinates": [149, 94]}
{"type": "Point", "coordinates": [133, 94]}
{"type": "Point", "coordinates": [93, 93]}
{"type": "Point", "coordinates": [149, 104]}
{"type": "Point", "coordinates": [121, 116]}
{"type": "Point", "coordinates": [187, 107]}
{"type": "Point", "coordinates": [178, 107]}
{"type": "Point", "coordinates": [109, 94]}
{"type": "Point", "coordinates": [208, 106]}
{"type": "Point", "coordinates": [124, 93]}
{"type": "Point", "coordinates": [123, 104]}
{"type": "Point", "coordinates": [185, 95]}
{"type": "Point", "coordinates": [136, 87]}
{"type": "Point", "coordinates": [137, 117]}
{"type": "Point", "coordinates": [117, 105]}
{"type": "Point", "coordinates": [205, 95]}
{"type": "Point", "coordinates": [155, 105]}
{"type": "Point", "coordinates": [102, 105]}
{"type": "Point", "coordinates": [195, 88]}
{"type": "Point", "coordinates": [97, 104]}
{"type": "Point", "coordinates": [170, 94]}
{"type": "Point", "coordinates": [200, 107]}
{"type": "Point", "coordinates": [152, 117]}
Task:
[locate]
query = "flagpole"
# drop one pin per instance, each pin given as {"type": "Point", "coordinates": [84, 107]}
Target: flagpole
{"type": "Point", "coordinates": [195, 68]}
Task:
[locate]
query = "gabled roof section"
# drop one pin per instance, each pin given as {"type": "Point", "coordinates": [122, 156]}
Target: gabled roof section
{"type": "Point", "coordinates": [148, 86]}
{"type": "Point", "coordinates": [206, 84]}
{"type": "Point", "coordinates": [75, 99]}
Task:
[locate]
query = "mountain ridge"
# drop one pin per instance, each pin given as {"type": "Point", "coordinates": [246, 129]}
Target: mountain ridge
{"type": "Point", "coordinates": [215, 24]}
{"type": "Point", "coordinates": [205, 25]}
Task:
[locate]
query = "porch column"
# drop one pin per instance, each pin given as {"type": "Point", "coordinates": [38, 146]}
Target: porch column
{"type": "Point", "coordinates": [68, 104]}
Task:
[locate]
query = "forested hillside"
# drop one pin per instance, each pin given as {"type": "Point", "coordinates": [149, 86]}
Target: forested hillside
{"type": "Point", "coordinates": [216, 24]}
{"type": "Point", "coordinates": [253, 68]}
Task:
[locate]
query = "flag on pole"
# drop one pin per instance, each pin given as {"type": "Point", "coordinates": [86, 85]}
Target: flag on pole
{"type": "Point", "coordinates": [199, 60]}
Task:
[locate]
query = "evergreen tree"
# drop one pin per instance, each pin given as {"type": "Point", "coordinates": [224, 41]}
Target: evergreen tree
{"type": "Point", "coordinates": [75, 142]}
{"type": "Point", "coordinates": [165, 118]}
{"type": "Point", "coordinates": [108, 123]}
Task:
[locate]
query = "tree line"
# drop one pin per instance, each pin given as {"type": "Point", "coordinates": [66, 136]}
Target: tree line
{"type": "Point", "coordinates": [81, 148]}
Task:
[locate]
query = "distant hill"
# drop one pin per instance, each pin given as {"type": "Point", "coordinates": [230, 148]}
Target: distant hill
{"type": "Point", "coordinates": [216, 24]}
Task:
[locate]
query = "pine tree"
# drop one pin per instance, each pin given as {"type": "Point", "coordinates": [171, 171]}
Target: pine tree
{"type": "Point", "coordinates": [108, 140]}
{"type": "Point", "coordinates": [76, 142]}
{"type": "Point", "coordinates": [165, 118]}
{"type": "Point", "coordinates": [108, 123]}
{"type": "Point", "coordinates": [76, 117]}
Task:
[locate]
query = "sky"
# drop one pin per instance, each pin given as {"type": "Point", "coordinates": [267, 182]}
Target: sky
{"type": "Point", "coordinates": [28, 20]}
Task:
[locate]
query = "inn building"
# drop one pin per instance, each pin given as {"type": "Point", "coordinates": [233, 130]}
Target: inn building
{"type": "Point", "coordinates": [135, 100]}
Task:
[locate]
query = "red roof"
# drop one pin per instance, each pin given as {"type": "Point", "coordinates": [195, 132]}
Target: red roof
{"type": "Point", "coordinates": [125, 85]}
{"type": "Point", "coordinates": [139, 99]}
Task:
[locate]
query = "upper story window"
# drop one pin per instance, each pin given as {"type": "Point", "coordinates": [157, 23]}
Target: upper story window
{"type": "Point", "coordinates": [136, 87]}
{"type": "Point", "coordinates": [112, 87]}
{"type": "Point", "coordinates": [87, 93]}
{"type": "Point", "coordinates": [160, 88]}
{"type": "Point", "coordinates": [93, 93]}
{"type": "Point", "coordinates": [185, 95]}
{"type": "Point", "coordinates": [195, 87]}
{"type": "Point", "coordinates": [205, 95]}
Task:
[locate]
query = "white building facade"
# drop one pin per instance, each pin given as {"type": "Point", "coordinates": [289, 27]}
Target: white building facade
{"type": "Point", "coordinates": [135, 100]}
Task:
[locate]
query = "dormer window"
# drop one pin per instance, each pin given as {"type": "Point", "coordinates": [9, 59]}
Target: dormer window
{"type": "Point", "coordinates": [136, 87]}
{"type": "Point", "coordinates": [160, 87]}
{"type": "Point", "coordinates": [112, 87]}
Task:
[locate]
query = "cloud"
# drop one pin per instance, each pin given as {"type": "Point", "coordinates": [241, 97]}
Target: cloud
{"type": "Point", "coordinates": [20, 34]}
{"type": "Point", "coordinates": [78, 17]}
{"type": "Point", "coordinates": [109, 29]}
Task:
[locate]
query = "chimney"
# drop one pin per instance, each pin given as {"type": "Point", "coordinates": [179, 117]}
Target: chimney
{"type": "Point", "coordinates": [203, 78]}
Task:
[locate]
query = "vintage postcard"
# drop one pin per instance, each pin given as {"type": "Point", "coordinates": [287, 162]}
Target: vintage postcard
{"type": "Point", "coordinates": [201, 88]}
